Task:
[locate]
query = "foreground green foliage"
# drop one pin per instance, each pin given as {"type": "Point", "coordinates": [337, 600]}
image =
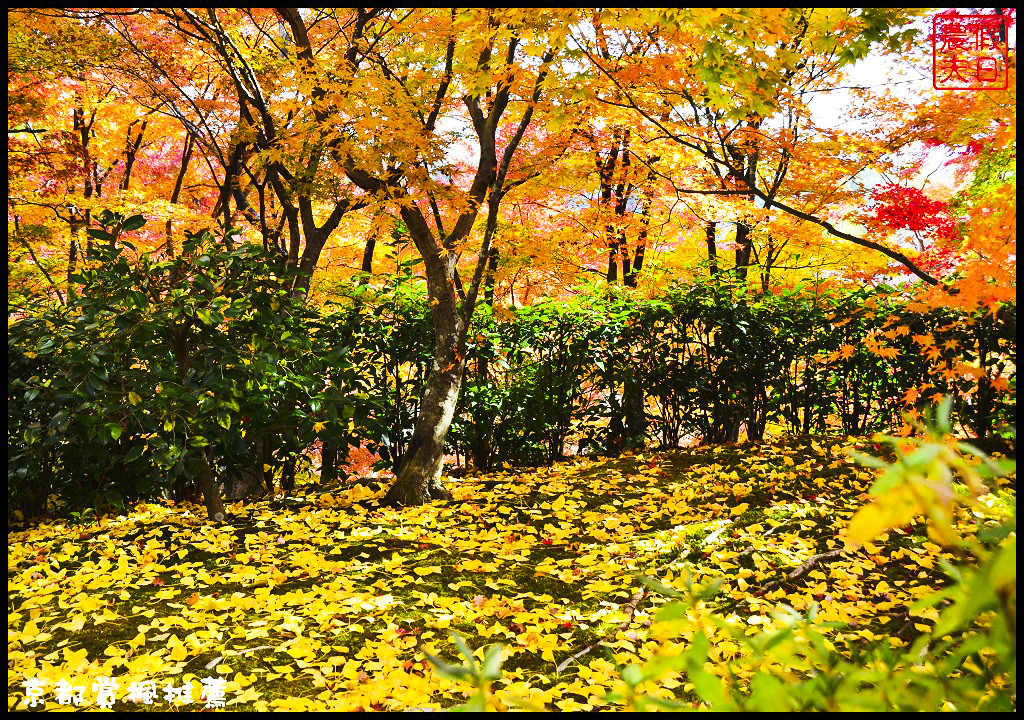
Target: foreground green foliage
{"type": "Point", "coordinates": [327, 600]}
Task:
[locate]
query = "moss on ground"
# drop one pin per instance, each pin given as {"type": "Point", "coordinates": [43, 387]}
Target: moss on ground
{"type": "Point", "coordinates": [331, 599]}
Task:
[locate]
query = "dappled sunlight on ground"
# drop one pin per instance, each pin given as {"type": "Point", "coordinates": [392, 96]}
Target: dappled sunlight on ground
{"type": "Point", "coordinates": [328, 600]}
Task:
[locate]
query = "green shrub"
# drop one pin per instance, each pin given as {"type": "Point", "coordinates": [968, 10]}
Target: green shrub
{"type": "Point", "coordinates": [159, 369]}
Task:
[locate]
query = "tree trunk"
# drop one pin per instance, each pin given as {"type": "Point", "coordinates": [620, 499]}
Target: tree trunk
{"type": "Point", "coordinates": [328, 460]}
{"type": "Point", "coordinates": [492, 270]}
{"type": "Point", "coordinates": [743, 245]}
{"type": "Point", "coordinates": [288, 475]}
{"type": "Point", "coordinates": [766, 272]}
{"type": "Point", "coordinates": [419, 478]}
{"type": "Point", "coordinates": [616, 428]}
{"type": "Point", "coordinates": [371, 243]}
{"type": "Point", "coordinates": [633, 407]}
{"type": "Point", "coordinates": [985, 397]}
{"type": "Point", "coordinates": [709, 238]}
{"type": "Point", "coordinates": [73, 262]}
{"type": "Point", "coordinates": [186, 158]}
{"type": "Point", "coordinates": [613, 254]}
{"type": "Point", "coordinates": [211, 494]}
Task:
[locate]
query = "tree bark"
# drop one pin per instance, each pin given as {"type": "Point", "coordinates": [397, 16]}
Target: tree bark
{"type": "Point", "coordinates": [492, 269]}
{"type": "Point", "coordinates": [633, 397]}
{"type": "Point", "coordinates": [743, 243]}
{"type": "Point", "coordinates": [766, 272]}
{"type": "Point", "coordinates": [131, 152]}
{"type": "Point", "coordinates": [211, 494]}
{"type": "Point", "coordinates": [419, 478]}
{"type": "Point", "coordinates": [328, 460]}
{"type": "Point", "coordinates": [186, 158]}
{"type": "Point", "coordinates": [371, 244]}
{"type": "Point", "coordinates": [709, 238]}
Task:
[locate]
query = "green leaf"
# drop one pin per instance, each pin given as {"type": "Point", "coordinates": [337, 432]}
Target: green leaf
{"type": "Point", "coordinates": [767, 693]}
{"type": "Point", "coordinates": [458, 673]}
{"type": "Point", "coordinates": [708, 687]}
{"type": "Point", "coordinates": [135, 453]}
{"type": "Point", "coordinates": [491, 669]}
{"type": "Point", "coordinates": [659, 588]}
{"type": "Point", "coordinates": [632, 675]}
{"type": "Point", "coordinates": [477, 703]}
{"type": "Point", "coordinates": [460, 643]}
{"type": "Point", "coordinates": [133, 223]}
{"type": "Point", "coordinates": [115, 430]}
{"type": "Point", "coordinates": [671, 611]}
{"type": "Point", "coordinates": [100, 235]}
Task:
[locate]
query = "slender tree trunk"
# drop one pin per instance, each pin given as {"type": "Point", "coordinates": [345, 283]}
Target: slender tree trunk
{"type": "Point", "coordinates": [492, 269]}
{"type": "Point", "coordinates": [371, 244]}
{"type": "Point", "coordinates": [613, 255]}
{"type": "Point", "coordinates": [766, 272]}
{"type": "Point", "coordinates": [288, 475]}
{"type": "Point", "coordinates": [328, 460]}
{"type": "Point", "coordinates": [186, 157]}
{"type": "Point", "coordinates": [307, 264]}
{"type": "Point", "coordinates": [131, 152]}
{"type": "Point", "coordinates": [73, 261]}
{"type": "Point", "coordinates": [616, 425]}
{"type": "Point", "coordinates": [480, 448]}
{"type": "Point", "coordinates": [743, 243]}
{"type": "Point", "coordinates": [633, 397]}
{"type": "Point", "coordinates": [709, 238]}
{"type": "Point", "coordinates": [630, 276]}
{"type": "Point", "coordinates": [985, 397]}
{"type": "Point", "coordinates": [211, 494]}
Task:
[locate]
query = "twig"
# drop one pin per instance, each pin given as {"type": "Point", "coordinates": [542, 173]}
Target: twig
{"type": "Point", "coordinates": [804, 567]}
{"type": "Point", "coordinates": [632, 605]}
{"type": "Point", "coordinates": [634, 601]}
{"type": "Point", "coordinates": [812, 561]}
{"type": "Point", "coordinates": [752, 549]}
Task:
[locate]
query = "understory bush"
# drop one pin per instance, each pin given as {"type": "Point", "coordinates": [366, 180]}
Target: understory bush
{"type": "Point", "coordinates": [607, 369]}
{"type": "Point", "coordinates": [161, 375]}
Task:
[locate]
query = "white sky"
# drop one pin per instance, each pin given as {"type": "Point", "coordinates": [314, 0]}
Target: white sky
{"type": "Point", "coordinates": [909, 78]}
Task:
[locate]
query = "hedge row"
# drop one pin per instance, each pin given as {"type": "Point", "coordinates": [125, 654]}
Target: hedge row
{"type": "Point", "coordinates": [161, 374]}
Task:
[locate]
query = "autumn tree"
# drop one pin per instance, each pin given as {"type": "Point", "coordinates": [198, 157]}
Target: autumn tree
{"type": "Point", "coordinates": [730, 86]}
{"type": "Point", "coordinates": [275, 165]}
{"type": "Point", "coordinates": [492, 62]}
{"type": "Point", "coordinates": [73, 140]}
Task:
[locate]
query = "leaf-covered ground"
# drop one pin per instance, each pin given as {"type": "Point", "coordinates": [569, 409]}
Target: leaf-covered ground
{"type": "Point", "coordinates": [327, 600]}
